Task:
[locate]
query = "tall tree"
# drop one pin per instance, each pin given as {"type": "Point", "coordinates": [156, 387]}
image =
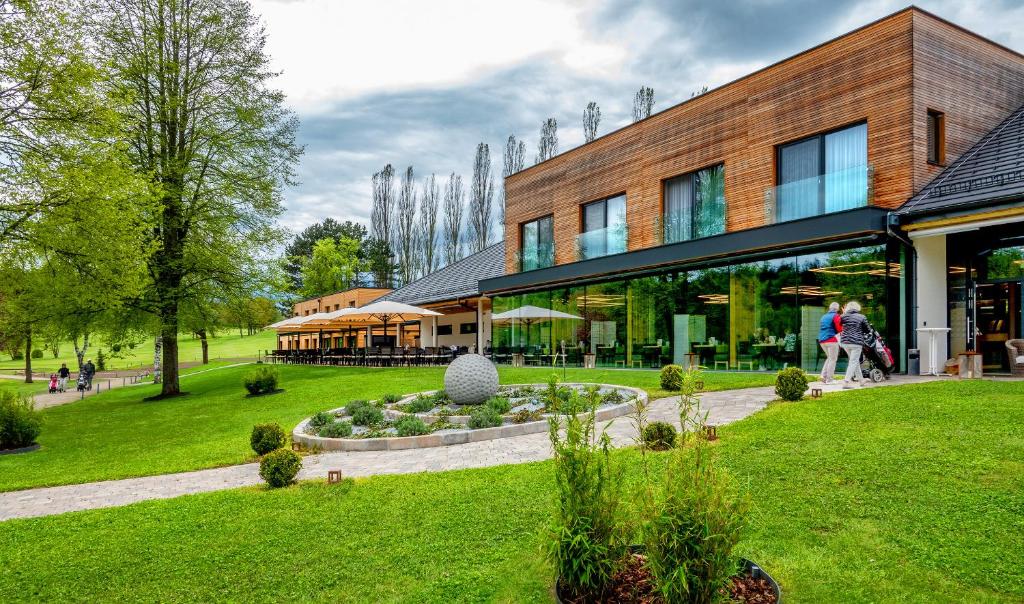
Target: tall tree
{"type": "Point", "coordinates": [643, 103]}
{"type": "Point", "coordinates": [429, 202]}
{"type": "Point", "coordinates": [333, 266]}
{"type": "Point", "coordinates": [453, 204]}
{"type": "Point", "coordinates": [382, 216]}
{"type": "Point", "coordinates": [481, 197]}
{"type": "Point", "coordinates": [301, 247]}
{"type": "Point", "coordinates": [218, 143]}
{"type": "Point", "coordinates": [513, 160]}
{"type": "Point", "coordinates": [591, 119]}
{"type": "Point", "coordinates": [547, 146]}
{"type": "Point", "coordinates": [380, 263]}
{"type": "Point", "coordinates": [405, 231]}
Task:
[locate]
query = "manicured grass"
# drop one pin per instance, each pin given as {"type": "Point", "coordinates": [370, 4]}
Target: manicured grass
{"type": "Point", "coordinates": [909, 494]}
{"type": "Point", "coordinates": [226, 345]}
{"type": "Point", "coordinates": [118, 435]}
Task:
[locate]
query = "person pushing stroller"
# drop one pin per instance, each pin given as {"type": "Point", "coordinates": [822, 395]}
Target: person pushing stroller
{"type": "Point", "coordinates": [853, 338]}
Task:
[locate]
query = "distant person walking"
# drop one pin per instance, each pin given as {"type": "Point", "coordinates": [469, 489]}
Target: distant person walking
{"type": "Point", "coordinates": [89, 370]}
{"type": "Point", "coordinates": [828, 339]}
{"type": "Point", "coordinates": [62, 377]}
{"type": "Point", "coordinates": [854, 336]}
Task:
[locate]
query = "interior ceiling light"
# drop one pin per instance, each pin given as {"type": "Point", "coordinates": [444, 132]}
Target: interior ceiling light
{"type": "Point", "coordinates": [871, 267]}
{"type": "Point", "coordinates": [957, 270]}
{"type": "Point", "coordinates": [808, 290]}
{"type": "Point", "coordinates": [714, 298]}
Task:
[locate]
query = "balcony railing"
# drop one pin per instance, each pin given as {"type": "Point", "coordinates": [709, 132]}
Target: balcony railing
{"type": "Point", "coordinates": [830, 192]}
{"type": "Point", "coordinates": [534, 257]}
{"type": "Point", "coordinates": [602, 242]}
{"type": "Point", "coordinates": [674, 227]}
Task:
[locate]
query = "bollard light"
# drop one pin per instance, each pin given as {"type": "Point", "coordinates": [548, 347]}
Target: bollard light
{"type": "Point", "coordinates": [815, 392]}
{"type": "Point", "coordinates": [333, 476]}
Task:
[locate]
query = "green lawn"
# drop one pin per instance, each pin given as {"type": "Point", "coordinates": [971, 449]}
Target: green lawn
{"type": "Point", "coordinates": [226, 345]}
{"type": "Point", "coordinates": [118, 435]}
{"type": "Point", "coordinates": [910, 494]}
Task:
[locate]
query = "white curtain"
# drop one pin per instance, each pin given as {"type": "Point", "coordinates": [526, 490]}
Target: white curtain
{"type": "Point", "coordinates": [678, 216]}
{"type": "Point", "coordinates": [846, 174]}
{"type": "Point", "coordinates": [800, 166]}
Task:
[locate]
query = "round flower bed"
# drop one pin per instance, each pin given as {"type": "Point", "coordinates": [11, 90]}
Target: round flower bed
{"type": "Point", "coordinates": [516, 409]}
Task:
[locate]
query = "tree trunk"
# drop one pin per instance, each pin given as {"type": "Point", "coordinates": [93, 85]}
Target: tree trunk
{"type": "Point", "coordinates": [169, 337]}
{"type": "Point", "coordinates": [205, 345]}
{"type": "Point", "coordinates": [80, 352]}
{"type": "Point", "coordinates": [28, 356]}
{"type": "Point", "coordinates": [158, 356]}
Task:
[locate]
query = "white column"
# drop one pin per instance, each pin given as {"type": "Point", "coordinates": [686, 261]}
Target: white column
{"type": "Point", "coordinates": [932, 306]}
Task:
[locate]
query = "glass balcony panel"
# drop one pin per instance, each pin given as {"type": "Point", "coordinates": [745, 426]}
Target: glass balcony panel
{"type": "Point", "coordinates": [536, 256]}
{"type": "Point", "coordinates": [831, 192]}
{"type": "Point", "coordinates": [602, 242]}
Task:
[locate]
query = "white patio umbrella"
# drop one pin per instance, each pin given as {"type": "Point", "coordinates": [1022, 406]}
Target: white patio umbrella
{"type": "Point", "coordinates": [384, 311]}
{"type": "Point", "coordinates": [528, 315]}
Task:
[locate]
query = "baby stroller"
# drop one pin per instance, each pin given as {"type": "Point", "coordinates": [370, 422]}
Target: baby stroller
{"type": "Point", "coordinates": [83, 383]}
{"type": "Point", "coordinates": [53, 383]}
{"type": "Point", "coordinates": [878, 363]}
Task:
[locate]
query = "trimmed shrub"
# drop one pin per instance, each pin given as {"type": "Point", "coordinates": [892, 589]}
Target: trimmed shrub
{"type": "Point", "coordinates": [672, 378]}
{"type": "Point", "coordinates": [20, 423]}
{"type": "Point", "coordinates": [390, 399]}
{"type": "Point", "coordinates": [410, 425]}
{"type": "Point", "coordinates": [321, 419]}
{"type": "Point", "coordinates": [261, 380]}
{"type": "Point", "coordinates": [791, 384]}
{"type": "Point", "coordinates": [37, 354]}
{"type": "Point", "coordinates": [484, 417]}
{"type": "Point", "coordinates": [336, 430]}
{"type": "Point", "coordinates": [613, 397]}
{"type": "Point", "coordinates": [499, 404]}
{"type": "Point", "coordinates": [17, 355]}
{"type": "Point", "coordinates": [267, 437]}
{"type": "Point", "coordinates": [368, 416]}
{"type": "Point", "coordinates": [659, 436]}
{"type": "Point", "coordinates": [280, 467]}
{"type": "Point", "coordinates": [353, 406]}
{"type": "Point", "coordinates": [420, 404]}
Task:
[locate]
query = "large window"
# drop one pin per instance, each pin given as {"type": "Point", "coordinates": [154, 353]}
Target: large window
{"type": "Point", "coordinates": [604, 228]}
{"type": "Point", "coordinates": [822, 174]}
{"type": "Point", "coordinates": [537, 244]}
{"type": "Point", "coordinates": [694, 205]}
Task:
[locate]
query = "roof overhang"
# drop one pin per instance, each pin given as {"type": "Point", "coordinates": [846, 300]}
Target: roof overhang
{"type": "Point", "coordinates": [964, 218]}
{"type": "Point", "coordinates": [861, 224]}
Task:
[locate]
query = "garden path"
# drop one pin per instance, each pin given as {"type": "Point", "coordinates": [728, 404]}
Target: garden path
{"type": "Point", "coordinates": [722, 407]}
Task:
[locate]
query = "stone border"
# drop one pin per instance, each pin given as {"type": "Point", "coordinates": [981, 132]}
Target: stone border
{"type": "Point", "coordinates": [20, 450]}
{"type": "Point", "coordinates": [394, 443]}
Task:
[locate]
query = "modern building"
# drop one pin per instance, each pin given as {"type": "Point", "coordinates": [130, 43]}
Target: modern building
{"type": "Point", "coordinates": [309, 339]}
{"type": "Point", "coordinates": [720, 228]}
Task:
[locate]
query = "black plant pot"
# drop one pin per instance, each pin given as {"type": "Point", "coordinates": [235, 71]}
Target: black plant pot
{"type": "Point", "coordinates": [752, 568]}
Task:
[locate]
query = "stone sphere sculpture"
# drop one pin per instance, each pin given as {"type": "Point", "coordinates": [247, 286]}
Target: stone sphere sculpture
{"type": "Point", "coordinates": [471, 379]}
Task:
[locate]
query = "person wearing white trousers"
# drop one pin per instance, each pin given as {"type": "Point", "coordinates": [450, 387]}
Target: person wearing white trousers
{"type": "Point", "coordinates": [853, 337]}
{"type": "Point", "coordinates": [828, 339]}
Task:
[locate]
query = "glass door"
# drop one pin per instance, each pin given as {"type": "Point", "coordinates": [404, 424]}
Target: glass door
{"type": "Point", "coordinates": [998, 318]}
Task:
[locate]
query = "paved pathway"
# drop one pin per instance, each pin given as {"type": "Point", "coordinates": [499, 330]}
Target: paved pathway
{"type": "Point", "coordinates": [722, 407]}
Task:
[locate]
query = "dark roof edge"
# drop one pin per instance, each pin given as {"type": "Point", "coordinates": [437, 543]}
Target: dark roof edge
{"type": "Point", "coordinates": [823, 230]}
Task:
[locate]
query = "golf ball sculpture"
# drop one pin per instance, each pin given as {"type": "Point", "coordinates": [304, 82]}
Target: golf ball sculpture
{"type": "Point", "coordinates": [470, 379]}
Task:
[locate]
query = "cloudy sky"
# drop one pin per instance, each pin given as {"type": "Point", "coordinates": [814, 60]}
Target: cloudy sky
{"type": "Point", "coordinates": [415, 82]}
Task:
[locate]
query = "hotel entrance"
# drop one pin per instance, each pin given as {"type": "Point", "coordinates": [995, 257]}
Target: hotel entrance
{"type": "Point", "coordinates": [986, 290]}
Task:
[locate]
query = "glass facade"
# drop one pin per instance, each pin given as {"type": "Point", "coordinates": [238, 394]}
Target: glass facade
{"type": "Point", "coordinates": [753, 316]}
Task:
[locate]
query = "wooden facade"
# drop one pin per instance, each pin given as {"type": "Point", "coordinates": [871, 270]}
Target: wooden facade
{"type": "Point", "coordinates": [354, 297]}
{"type": "Point", "coordinates": [887, 74]}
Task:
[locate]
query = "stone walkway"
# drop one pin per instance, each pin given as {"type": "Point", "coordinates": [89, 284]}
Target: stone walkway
{"type": "Point", "coordinates": [722, 407]}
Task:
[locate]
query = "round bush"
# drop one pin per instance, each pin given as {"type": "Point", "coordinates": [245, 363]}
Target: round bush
{"type": "Point", "coordinates": [410, 425]}
{"type": "Point", "coordinates": [484, 417]}
{"type": "Point", "coordinates": [37, 354]}
{"type": "Point", "coordinates": [261, 380]}
{"type": "Point", "coordinates": [672, 378]}
{"type": "Point", "coordinates": [280, 467]}
{"type": "Point", "coordinates": [659, 436]}
{"type": "Point", "coordinates": [336, 430]}
{"type": "Point", "coordinates": [367, 416]}
{"type": "Point", "coordinates": [267, 437]}
{"type": "Point", "coordinates": [321, 419]}
{"type": "Point", "coordinates": [20, 423]}
{"type": "Point", "coordinates": [791, 384]}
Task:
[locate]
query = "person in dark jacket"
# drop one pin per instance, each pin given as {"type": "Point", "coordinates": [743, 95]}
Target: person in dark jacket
{"type": "Point", "coordinates": [828, 339]}
{"type": "Point", "coordinates": [853, 337]}
{"type": "Point", "coordinates": [62, 377]}
{"type": "Point", "coordinates": [89, 370]}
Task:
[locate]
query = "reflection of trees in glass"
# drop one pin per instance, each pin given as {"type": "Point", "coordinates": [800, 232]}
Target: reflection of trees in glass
{"type": "Point", "coordinates": [857, 274]}
{"type": "Point", "coordinates": [1007, 263]}
{"type": "Point", "coordinates": [709, 217]}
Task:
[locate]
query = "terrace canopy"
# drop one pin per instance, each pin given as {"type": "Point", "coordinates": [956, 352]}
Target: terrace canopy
{"type": "Point", "coordinates": [384, 311]}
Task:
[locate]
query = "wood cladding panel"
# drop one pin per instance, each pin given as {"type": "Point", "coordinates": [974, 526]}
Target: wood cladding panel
{"type": "Point", "coordinates": [973, 82]}
{"type": "Point", "coordinates": [866, 75]}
